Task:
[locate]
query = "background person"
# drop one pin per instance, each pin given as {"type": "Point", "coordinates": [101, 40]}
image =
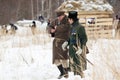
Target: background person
{"type": "Point", "coordinates": [77, 45]}
{"type": "Point", "coordinates": [60, 27]}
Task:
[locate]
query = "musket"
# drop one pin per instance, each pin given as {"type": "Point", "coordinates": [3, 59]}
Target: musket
{"type": "Point", "coordinates": [76, 48]}
{"type": "Point", "coordinates": [84, 57]}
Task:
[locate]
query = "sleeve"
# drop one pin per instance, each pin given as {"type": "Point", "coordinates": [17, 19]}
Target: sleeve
{"type": "Point", "coordinates": [52, 24]}
{"type": "Point", "coordinates": [82, 35]}
{"type": "Point", "coordinates": [63, 27]}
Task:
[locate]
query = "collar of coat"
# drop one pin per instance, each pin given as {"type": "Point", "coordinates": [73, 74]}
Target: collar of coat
{"type": "Point", "coordinates": [64, 20]}
{"type": "Point", "coordinates": [75, 23]}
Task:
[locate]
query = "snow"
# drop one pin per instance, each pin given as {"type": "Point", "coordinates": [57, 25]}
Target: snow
{"type": "Point", "coordinates": [29, 57]}
{"type": "Point", "coordinates": [86, 5]}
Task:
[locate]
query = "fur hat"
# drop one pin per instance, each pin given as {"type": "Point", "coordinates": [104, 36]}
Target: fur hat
{"type": "Point", "coordinates": [59, 13]}
{"type": "Point", "coordinates": [73, 15]}
{"type": "Point", "coordinates": [33, 22]}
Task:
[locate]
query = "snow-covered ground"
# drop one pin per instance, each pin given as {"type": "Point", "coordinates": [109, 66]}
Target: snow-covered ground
{"type": "Point", "coordinates": [29, 57]}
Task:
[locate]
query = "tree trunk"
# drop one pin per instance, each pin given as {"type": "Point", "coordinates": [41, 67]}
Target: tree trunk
{"type": "Point", "coordinates": [32, 13]}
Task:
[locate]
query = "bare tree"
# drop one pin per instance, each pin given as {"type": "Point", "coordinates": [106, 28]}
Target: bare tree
{"type": "Point", "coordinates": [13, 10]}
{"type": "Point", "coordinates": [32, 13]}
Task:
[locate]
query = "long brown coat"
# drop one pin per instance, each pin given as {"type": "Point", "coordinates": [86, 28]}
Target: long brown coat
{"type": "Point", "coordinates": [61, 35]}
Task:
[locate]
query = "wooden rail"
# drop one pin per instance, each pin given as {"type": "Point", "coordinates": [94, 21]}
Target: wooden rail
{"type": "Point", "coordinates": [102, 27]}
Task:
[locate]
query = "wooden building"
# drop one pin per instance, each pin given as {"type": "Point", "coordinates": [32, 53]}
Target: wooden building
{"type": "Point", "coordinates": [98, 23]}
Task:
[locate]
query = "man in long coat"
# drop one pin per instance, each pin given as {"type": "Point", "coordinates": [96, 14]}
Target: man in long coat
{"type": "Point", "coordinates": [77, 45]}
{"type": "Point", "coordinates": [60, 27]}
{"type": "Point", "coordinates": [33, 27]}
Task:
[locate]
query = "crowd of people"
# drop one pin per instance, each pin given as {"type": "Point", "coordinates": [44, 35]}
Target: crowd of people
{"type": "Point", "coordinates": [69, 44]}
{"type": "Point", "coordinates": [5, 31]}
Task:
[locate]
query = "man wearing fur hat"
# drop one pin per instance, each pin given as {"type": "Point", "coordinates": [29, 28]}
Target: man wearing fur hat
{"type": "Point", "coordinates": [60, 27]}
{"type": "Point", "coordinates": [33, 27]}
{"type": "Point", "coordinates": [77, 45]}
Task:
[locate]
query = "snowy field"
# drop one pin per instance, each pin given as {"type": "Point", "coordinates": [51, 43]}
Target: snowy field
{"type": "Point", "coordinates": [28, 57]}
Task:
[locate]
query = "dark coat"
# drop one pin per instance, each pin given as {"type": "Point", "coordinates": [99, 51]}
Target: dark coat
{"type": "Point", "coordinates": [77, 35]}
{"type": "Point", "coordinates": [118, 26]}
{"type": "Point", "coordinates": [61, 35]}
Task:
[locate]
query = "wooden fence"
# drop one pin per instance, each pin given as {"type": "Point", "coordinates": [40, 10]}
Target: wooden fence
{"type": "Point", "coordinates": [97, 25]}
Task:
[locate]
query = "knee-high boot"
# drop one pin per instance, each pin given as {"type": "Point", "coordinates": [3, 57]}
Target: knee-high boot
{"type": "Point", "coordinates": [66, 73]}
{"type": "Point", "coordinates": [62, 71]}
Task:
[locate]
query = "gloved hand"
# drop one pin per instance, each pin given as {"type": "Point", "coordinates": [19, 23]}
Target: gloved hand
{"type": "Point", "coordinates": [64, 45]}
{"type": "Point", "coordinates": [79, 51]}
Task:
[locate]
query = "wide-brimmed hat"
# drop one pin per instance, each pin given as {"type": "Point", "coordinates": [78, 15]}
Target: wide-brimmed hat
{"type": "Point", "coordinates": [73, 15]}
{"type": "Point", "coordinates": [59, 13]}
{"type": "Point", "coordinates": [33, 22]}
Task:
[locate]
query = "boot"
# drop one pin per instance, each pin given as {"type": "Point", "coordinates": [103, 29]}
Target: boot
{"type": "Point", "coordinates": [76, 73]}
{"type": "Point", "coordinates": [62, 71]}
{"type": "Point", "coordinates": [68, 69]}
{"type": "Point", "coordinates": [66, 73]}
{"type": "Point", "coordinates": [82, 74]}
{"type": "Point", "coordinates": [79, 73]}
